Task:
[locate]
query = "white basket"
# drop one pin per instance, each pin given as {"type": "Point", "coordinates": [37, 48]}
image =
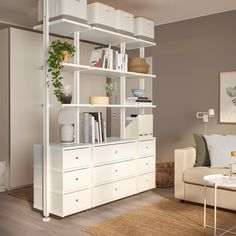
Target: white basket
{"type": "Point", "coordinates": [124, 22]}
{"type": "Point", "coordinates": [144, 28]}
{"type": "Point", "coordinates": [68, 9]}
{"type": "Point", "coordinates": [101, 15]}
{"type": "Point", "coordinates": [2, 175]}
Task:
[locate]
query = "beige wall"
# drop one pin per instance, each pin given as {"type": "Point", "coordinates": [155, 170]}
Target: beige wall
{"type": "Point", "coordinates": [189, 56]}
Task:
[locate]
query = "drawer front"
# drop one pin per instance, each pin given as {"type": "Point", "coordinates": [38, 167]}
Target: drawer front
{"type": "Point", "coordinates": [147, 148]}
{"type": "Point", "coordinates": [111, 153]}
{"type": "Point", "coordinates": [110, 192]}
{"type": "Point", "coordinates": [146, 182]}
{"type": "Point", "coordinates": [76, 158]}
{"type": "Point", "coordinates": [147, 164]}
{"type": "Point", "coordinates": [76, 180]}
{"type": "Point", "coordinates": [108, 173]}
{"type": "Point", "coordinates": [75, 202]}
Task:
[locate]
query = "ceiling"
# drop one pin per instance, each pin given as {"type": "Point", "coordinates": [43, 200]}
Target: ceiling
{"type": "Point", "coordinates": [24, 12]}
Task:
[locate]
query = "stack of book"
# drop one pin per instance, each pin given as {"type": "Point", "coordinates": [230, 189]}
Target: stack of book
{"type": "Point", "coordinates": [94, 127]}
{"type": "Point", "coordinates": [109, 58]}
{"type": "Point", "coordinates": [138, 101]}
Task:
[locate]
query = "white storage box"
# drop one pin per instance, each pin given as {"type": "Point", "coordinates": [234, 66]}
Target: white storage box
{"type": "Point", "coordinates": [75, 10]}
{"type": "Point", "coordinates": [124, 22]}
{"type": "Point", "coordinates": [144, 28]}
{"type": "Point", "coordinates": [101, 15]}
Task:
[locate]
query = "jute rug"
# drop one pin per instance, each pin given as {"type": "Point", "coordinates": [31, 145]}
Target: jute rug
{"type": "Point", "coordinates": [24, 194]}
{"type": "Point", "coordinates": [166, 218]}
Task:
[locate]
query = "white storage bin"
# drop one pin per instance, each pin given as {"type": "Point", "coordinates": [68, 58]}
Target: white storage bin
{"type": "Point", "coordinates": [124, 22]}
{"type": "Point", "coordinates": [144, 28]}
{"type": "Point", "coordinates": [101, 15]}
{"type": "Point", "coordinates": [68, 9]}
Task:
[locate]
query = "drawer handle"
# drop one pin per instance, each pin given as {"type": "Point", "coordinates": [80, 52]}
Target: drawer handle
{"type": "Point", "coordinates": [147, 164]}
{"type": "Point", "coordinates": [146, 147]}
{"type": "Point", "coordinates": [116, 170]}
{"type": "Point", "coordinates": [77, 158]}
{"type": "Point", "coordinates": [77, 200]}
{"type": "Point", "coordinates": [116, 189]}
{"type": "Point", "coordinates": [146, 180]}
{"type": "Point", "coordinates": [77, 179]}
{"type": "Point", "coordinates": [116, 152]}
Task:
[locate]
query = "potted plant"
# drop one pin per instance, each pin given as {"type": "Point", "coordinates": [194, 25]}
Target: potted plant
{"type": "Point", "coordinates": [59, 52]}
{"type": "Point", "coordinates": [110, 90]}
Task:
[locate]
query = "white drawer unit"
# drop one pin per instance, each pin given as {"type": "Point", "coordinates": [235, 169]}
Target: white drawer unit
{"type": "Point", "coordinates": [76, 158]}
{"type": "Point", "coordinates": [101, 15]}
{"type": "Point", "coordinates": [124, 22]}
{"type": "Point", "coordinates": [117, 171]}
{"type": "Point", "coordinates": [147, 148]}
{"type": "Point", "coordinates": [144, 28]}
{"type": "Point", "coordinates": [110, 192]}
{"type": "Point", "coordinates": [68, 9]}
{"type": "Point", "coordinates": [146, 165]}
{"type": "Point", "coordinates": [116, 152]}
{"type": "Point", "coordinates": [146, 182]}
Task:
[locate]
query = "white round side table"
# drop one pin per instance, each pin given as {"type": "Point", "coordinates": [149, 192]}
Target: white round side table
{"type": "Point", "coordinates": [217, 181]}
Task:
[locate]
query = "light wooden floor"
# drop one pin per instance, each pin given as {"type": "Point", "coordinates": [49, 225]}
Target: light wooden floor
{"type": "Point", "coordinates": [18, 219]}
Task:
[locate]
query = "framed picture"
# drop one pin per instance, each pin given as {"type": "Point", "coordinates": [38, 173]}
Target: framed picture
{"type": "Point", "coordinates": [228, 97]}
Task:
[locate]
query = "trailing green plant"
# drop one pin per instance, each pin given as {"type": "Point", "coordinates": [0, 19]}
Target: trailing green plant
{"type": "Point", "coordinates": [57, 52]}
{"type": "Point", "coordinates": [111, 88]}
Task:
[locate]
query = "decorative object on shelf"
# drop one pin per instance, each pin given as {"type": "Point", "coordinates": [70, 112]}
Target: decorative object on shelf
{"type": "Point", "coordinates": [165, 174]}
{"type": "Point", "coordinates": [138, 92]}
{"type": "Point", "coordinates": [228, 97]}
{"type": "Point", "coordinates": [67, 94]}
{"type": "Point", "coordinates": [232, 164]}
{"type": "Point", "coordinates": [111, 89]}
{"type": "Point", "coordinates": [138, 65]}
{"type": "Point", "coordinates": [99, 100]}
{"type": "Point", "coordinates": [67, 119]}
{"type": "Point", "coordinates": [205, 117]}
{"type": "Point", "coordinates": [58, 51]}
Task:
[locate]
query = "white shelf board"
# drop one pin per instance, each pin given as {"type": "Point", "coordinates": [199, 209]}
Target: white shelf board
{"type": "Point", "coordinates": [140, 43]}
{"type": "Point", "coordinates": [104, 106]}
{"type": "Point", "coordinates": [107, 37]}
{"type": "Point", "coordinates": [69, 67]}
{"type": "Point", "coordinates": [64, 27]}
{"type": "Point", "coordinates": [115, 73]}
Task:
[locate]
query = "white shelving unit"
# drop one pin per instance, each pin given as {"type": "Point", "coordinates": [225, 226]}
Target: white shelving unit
{"type": "Point", "coordinates": [130, 159]}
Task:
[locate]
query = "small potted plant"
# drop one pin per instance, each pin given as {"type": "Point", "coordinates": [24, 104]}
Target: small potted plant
{"type": "Point", "coordinates": [59, 52]}
{"type": "Point", "coordinates": [111, 88]}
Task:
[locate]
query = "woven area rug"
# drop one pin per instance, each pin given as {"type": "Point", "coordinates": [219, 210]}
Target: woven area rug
{"type": "Point", "coordinates": [168, 217]}
{"type": "Point", "coordinates": [24, 194]}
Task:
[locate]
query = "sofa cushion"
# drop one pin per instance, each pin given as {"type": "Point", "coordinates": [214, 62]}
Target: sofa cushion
{"type": "Point", "coordinates": [202, 154]}
{"type": "Point", "coordinates": [195, 175]}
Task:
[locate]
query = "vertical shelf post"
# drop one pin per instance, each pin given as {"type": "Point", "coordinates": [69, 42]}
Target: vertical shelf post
{"type": "Point", "coordinates": [122, 98]}
{"type": "Point", "coordinates": [45, 201]}
{"type": "Point", "coordinates": [141, 80]}
{"type": "Point", "coordinates": [77, 85]}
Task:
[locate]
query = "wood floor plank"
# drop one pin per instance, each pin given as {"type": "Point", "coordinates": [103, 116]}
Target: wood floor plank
{"type": "Point", "coordinates": [17, 218]}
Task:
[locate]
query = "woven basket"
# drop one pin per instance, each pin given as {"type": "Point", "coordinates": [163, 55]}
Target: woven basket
{"type": "Point", "coordinates": [99, 100]}
{"type": "Point", "coordinates": [138, 65]}
{"type": "Point", "coordinates": [165, 174]}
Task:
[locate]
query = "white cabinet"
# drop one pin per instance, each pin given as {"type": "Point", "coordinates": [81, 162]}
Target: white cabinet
{"type": "Point", "coordinates": [85, 176]}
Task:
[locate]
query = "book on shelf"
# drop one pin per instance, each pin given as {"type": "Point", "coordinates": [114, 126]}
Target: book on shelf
{"type": "Point", "coordinates": [138, 100]}
{"type": "Point", "coordinates": [93, 127]}
{"type": "Point", "coordinates": [109, 58]}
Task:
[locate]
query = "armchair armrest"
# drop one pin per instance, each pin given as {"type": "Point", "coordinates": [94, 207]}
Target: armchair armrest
{"type": "Point", "coordinates": [184, 158]}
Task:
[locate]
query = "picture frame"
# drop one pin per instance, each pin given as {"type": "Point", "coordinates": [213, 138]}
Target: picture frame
{"type": "Point", "coordinates": [228, 97]}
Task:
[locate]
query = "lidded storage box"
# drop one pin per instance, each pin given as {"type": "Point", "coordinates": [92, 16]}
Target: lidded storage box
{"type": "Point", "coordinates": [75, 10]}
{"type": "Point", "coordinates": [124, 22]}
{"type": "Point", "coordinates": [101, 15]}
{"type": "Point", "coordinates": [144, 28]}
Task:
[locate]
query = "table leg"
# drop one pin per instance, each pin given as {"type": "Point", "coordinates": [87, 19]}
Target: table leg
{"type": "Point", "coordinates": [215, 208]}
{"type": "Point", "coordinates": [205, 206]}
